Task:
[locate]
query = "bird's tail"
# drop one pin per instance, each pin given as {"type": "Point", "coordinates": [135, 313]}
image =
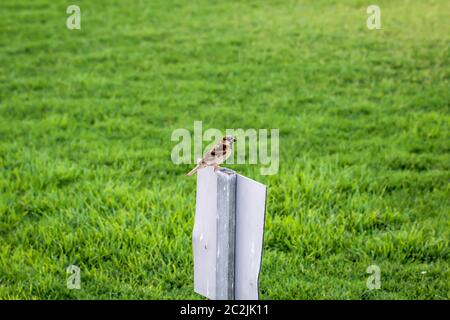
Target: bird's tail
{"type": "Point", "coordinates": [190, 173]}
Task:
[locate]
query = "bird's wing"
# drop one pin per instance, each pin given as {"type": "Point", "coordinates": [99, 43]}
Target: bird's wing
{"type": "Point", "coordinates": [218, 151]}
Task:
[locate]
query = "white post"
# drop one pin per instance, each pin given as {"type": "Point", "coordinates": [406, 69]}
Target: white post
{"type": "Point", "coordinates": [228, 234]}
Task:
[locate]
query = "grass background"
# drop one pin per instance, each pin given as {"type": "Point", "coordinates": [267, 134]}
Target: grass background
{"type": "Point", "coordinates": [85, 123]}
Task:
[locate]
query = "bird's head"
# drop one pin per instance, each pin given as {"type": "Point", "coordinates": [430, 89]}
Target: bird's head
{"type": "Point", "coordinates": [230, 139]}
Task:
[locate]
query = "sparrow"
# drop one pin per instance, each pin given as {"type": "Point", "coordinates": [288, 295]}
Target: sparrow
{"type": "Point", "coordinates": [217, 155]}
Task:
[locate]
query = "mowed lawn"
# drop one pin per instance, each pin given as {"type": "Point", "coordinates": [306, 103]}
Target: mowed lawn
{"type": "Point", "coordinates": [86, 117]}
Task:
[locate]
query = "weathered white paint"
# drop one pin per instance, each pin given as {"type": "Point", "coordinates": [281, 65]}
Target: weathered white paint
{"type": "Point", "coordinates": [250, 213]}
{"type": "Point", "coordinates": [204, 234]}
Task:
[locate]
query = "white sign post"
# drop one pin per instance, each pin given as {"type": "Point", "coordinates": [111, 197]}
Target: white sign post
{"type": "Point", "coordinates": [228, 235]}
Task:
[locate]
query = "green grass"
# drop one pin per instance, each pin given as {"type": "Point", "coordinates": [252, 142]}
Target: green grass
{"type": "Point", "coordinates": [86, 118]}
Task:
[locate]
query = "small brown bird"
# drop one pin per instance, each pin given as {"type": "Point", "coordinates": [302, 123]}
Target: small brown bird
{"type": "Point", "coordinates": [216, 155]}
